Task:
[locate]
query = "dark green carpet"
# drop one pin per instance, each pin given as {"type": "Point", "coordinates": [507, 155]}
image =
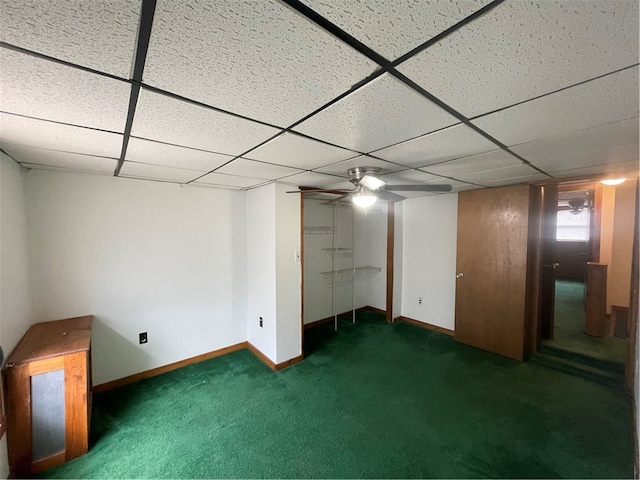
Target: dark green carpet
{"type": "Point", "coordinates": [569, 327]}
{"type": "Point", "coordinates": [370, 401]}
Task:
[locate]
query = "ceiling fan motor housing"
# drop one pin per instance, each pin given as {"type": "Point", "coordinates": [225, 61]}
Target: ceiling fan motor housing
{"type": "Point", "coordinates": [356, 173]}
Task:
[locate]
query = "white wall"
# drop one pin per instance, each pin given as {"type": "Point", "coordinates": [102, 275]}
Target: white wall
{"type": "Point", "coordinates": [141, 257]}
{"type": "Point", "coordinates": [16, 314]}
{"type": "Point", "coordinates": [398, 255]}
{"type": "Point", "coordinates": [288, 275]}
{"type": "Point", "coordinates": [261, 269]}
{"type": "Point", "coordinates": [429, 252]}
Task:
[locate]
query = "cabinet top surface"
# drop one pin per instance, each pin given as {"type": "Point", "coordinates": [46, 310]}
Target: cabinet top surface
{"type": "Point", "coordinates": [51, 339]}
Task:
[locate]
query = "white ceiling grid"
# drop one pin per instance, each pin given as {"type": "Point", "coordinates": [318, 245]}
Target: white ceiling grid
{"type": "Point", "coordinates": [239, 94]}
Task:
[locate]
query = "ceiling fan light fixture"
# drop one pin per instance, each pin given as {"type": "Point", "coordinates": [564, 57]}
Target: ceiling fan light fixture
{"type": "Point", "coordinates": [363, 198]}
{"type": "Point", "coordinates": [371, 182]}
{"type": "Point", "coordinates": [613, 181]}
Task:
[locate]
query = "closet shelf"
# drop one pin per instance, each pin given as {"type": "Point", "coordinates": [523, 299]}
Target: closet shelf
{"type": "Point", "coordinates": [339, 252]}
{"type": "Point", "coordinates": [340, 277]}
{"type": "Point", "coordinates": [320, 230]}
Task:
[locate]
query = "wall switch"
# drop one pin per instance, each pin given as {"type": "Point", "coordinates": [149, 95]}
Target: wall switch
{"type": "Point", "coordinates": [143, 337]}
{"type": "Point", "coordinates": [261, 321]}
{"type": "Point", "coordinates": [419, 300]}
{"type": "Point", "coordinates": [296, 256]}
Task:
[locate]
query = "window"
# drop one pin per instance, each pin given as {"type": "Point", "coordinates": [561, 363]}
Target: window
{"type": "Point", "coordinates": [573, 227]}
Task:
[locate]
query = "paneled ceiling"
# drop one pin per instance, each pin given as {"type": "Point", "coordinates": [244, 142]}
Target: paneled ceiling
{"type": "Point", "coordinates": [231, 94]}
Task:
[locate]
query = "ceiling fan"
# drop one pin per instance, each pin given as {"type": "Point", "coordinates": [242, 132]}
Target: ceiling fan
{"type": "Point", "coordinates": [575, 206]}
{"type": "Point", "coordinates": [369, 188]}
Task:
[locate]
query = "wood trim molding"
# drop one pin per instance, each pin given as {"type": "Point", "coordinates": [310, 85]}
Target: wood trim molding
{"type": "Point", "coordinates": [391, 224]}
{"type": "Point", "coordinates": [103, 387]}
{"type": "Point", "coordinates": [428, 326]}
{"type": "Point", "coordinates": [269, 363]}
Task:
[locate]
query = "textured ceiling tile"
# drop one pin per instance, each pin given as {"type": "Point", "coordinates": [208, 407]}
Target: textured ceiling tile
{"type": "Point", "coordinates": [36, 157]}
{"type": "Point", "coordinates": [41, 134]}
{"type": "Point", "coordinates": [310, 179]}
{"type": "Point", "coordinates": [382, 113]}
{"type": "Point", "coordinates": [259, 59]}
{"type": "Point", "coordinates": [523, 49]}
{"type": "Point", "coordinates": [606, 100]}
{"type": "Point", "coordinates": [406, 177]}
{"type": "Point", "coordinates": [96, 34]}
{"type": "Point", "coordinates": [591, 159]}
{"type": "Point", "coordinates": [361, 161]}
{"type": "Point", "coordinates": [296, 151]}
{"type": "Point", "coordinates": [156, 153]}
{"type": "Point", "coordinates": [476, 163]}
{"type": "Point", "coordinates": [39, 88]}
{"type": "Point", "coordinates": [453, 142]}
{"type": "Point", "coordinates": [514, 180]}
{"type": "Point", "coordinates": [511, 174]}
{"type": "Point", "coordinates": [155, 172]}
{"type": "Point", "coordinates": [162, 118]}
{"type": "Point", "coordinates": [627, 168]}
{"type": "Point", "coordinates": [392, 28]}
{"type": "Point", "coordinates": [253, 169]}
{"type": "Point", "coordinates": [610, 135]}
{"type": "Point", "coordinates": [233, 181]}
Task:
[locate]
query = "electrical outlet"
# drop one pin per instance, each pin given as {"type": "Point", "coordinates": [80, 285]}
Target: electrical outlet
{"type": "Point", "coordinates": [261, 322]}
{"type": "Point", "coordinates": [419, 300]}
{"type": "Point", "coordinates": [143, 337]}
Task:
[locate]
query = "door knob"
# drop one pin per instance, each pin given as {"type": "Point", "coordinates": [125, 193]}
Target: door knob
{"type": "Point", "coordinates": [459, 275]}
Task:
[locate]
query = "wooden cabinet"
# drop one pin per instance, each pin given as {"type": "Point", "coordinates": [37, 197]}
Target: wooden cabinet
{"type": "Point", "coordinates": [48, 379]}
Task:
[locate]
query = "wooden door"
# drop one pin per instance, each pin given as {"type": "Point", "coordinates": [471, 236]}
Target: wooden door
{"type": "Point", "coordinates": [491, 290]}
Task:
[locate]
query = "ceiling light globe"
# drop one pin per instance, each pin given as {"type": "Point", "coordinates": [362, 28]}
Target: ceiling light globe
{"type": "Point", "coordinates": [364, 201]}
{"type": "Point", "coordinates": [613, 181]}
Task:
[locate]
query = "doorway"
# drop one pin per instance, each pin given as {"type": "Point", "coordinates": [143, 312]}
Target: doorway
{"type": "Point", "coordinates": [589, 223]}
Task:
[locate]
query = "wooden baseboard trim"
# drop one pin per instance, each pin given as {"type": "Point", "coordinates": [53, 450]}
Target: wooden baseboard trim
{"type": "Point", "coordinates": [103, 387]}
{"type": "Point", "coordinates": [330, 319]}
{"type": "Point", "coordinates": [428, 326]}
{"type": "Point", "coordinates": [373, 309]}
{"type": "Point", "coordinates": [269, 363]}
{"type": "Point", "coordinates": [288, 363]}
{"type": "Point", "coordinates": [317, 323]}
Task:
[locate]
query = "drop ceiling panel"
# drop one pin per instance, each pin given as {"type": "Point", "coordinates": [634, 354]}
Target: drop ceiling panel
{"type": "Point", "coordinates": [99, 35]}
{"type": "Point", "coordinates": [156, 153]}
{"type": "Point", "coordinates": [453, 142]}
{"type": "Point", "coordinates": [506, 175]}
{"type": "Point", "coordinates": [476, 163]}
{"type": "Point", "coordinates": [310, 179]}
{"type": "Point", "coordinates": [42, 134]}
{"type": "Point", "coordinates": [406, 177]}
{"type": "Point", "coordinates": [361, 161]}
{"type": "Point", "coordinates": [162, 118]}
{"type": "Point", "coordinates": [610, 135]}
{"type": "Point", "coordinates": [394, 28]}
{"type": "Point", "coordinates": [229, 181]}
{"type": "Point", "coordinates": [591, 159]}
{"type": "Point", "coordinates": [382, 113]}
{"type": "Point", "coordinates": [259, 59]}
{"type": "Point", "coordinates": [297, 151]}
{"type": "Point", "coordinates": [253, 169]}
{"type": "Point", "coordinates": [606, 100]}
{"type": "Point", "coordinates": [626, 168]}
{"type": "Point", "coordinates": [43, 89]}
{"type": "Point", "coordinates": [523, 49]}
{"type": "Point", "coordinates": [155, 172]}
{"type": "Point", "coordinates": [36, 157]}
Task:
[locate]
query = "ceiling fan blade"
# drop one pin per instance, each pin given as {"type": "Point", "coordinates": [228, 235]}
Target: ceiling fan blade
{"type": "Point", "coordinates": [419, 188]}
{"type": "Point", "coordinates": [340, 198]}
{"type": "Point", "coordinates": [319, 190]}
{"type": "Point", "coordinates": [564, 207]}
{"type": "Point", "coordinates": [388, 196]}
